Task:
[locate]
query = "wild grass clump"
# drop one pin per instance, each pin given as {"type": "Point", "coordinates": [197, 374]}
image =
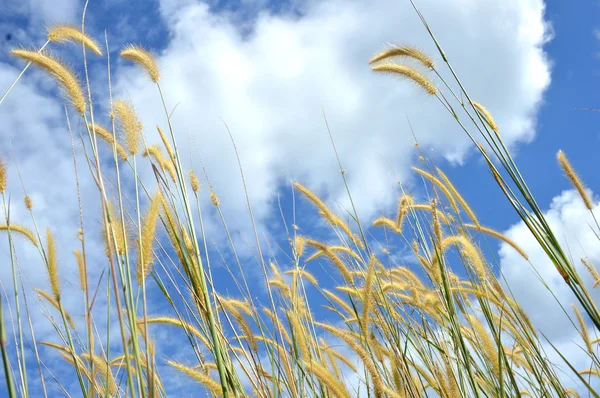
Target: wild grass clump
{"type": "Point", "coordinates": [436, 322]}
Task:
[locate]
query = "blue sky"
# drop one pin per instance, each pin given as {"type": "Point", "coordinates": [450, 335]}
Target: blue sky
{"type": "Point", "coordinates": [269, 69]}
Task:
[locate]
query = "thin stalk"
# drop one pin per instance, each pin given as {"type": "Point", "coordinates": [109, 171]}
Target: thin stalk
{"type": "Point", "coordinates": [21, 348]}
{"type": "Point", "coordinates": [7, 372]}
{"type": "Point", "coordinates": [21, 74]}
{"type": "Point", "coordinates": [219, 353]}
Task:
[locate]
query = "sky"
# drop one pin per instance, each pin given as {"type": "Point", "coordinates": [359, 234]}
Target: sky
{"type": "Point", "coordinates": [271, 71]}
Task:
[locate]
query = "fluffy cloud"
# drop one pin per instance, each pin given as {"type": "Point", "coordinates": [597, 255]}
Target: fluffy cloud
{"type": "Point", "coordinates": [42, 10]}
{"type": "Point", "coordinates": [575, 228]}
{"type": "Point", "coordinates": [271, 79]}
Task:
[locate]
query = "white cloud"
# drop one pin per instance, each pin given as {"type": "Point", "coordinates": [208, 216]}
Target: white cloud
{"type": "Point", "coordinates": [270, 83]}
{"type": "Point", "coordinates": [55, 11]}
{"type": "Point", "coordinates": [574, 226]}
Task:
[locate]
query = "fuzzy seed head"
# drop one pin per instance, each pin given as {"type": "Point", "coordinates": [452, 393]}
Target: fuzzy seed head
{"type": "Point", "coordinates": [487, 116]}
{"type": "Point", "coordinates": [82, 269]}
{"type": "Point", "coordinates": [408, 72]}
{"type": "Point", "coordinates": [145, 250]}
{"type": "Point", "coordinates": [194, 181]}
{"type": "Point", "coordinates": [214, 199]}
{"type": "Point", "coordinates": [574, 178]}
{"type": "Point", "coordinates": [130, 124]}
{"type": "Point", "coordinates": [21, 230]}
{"type": "Point", "coordinates": [166, 143]}
{"type": "Point", "coordinates": [67, 33]}
{"type": "Point", "coordinates": [404, 51]}
{"type": "Point", "coordinates": [143, 58]}
{"type": "Point", "coordinates": [52, 265]}
{"type": "Point", "coordinates": [3, 176]}
{"type": "Point", "coordinates": [109, 138]}
{"type": "Point", "coordinates": [64, 75]}
{"type": "Point", "coordinates": [28, 202]}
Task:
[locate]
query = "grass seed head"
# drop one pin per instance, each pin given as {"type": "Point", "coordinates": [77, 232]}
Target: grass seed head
{"type": "Point", "coordinates": [67, 33]}
{"type": "Point", "coordinates": [63, 74]}
{"type": "Point", "coordinates": [408, 72]}
{"type": "Point", "coordinates": [130, 124]}
{"type": "Point", "coordinates": [194, 182]}
{"type": "Point", "coordinates": [143, 58]}
{"type": "Point", "coordinates": [404, 51]}
{"type": "Point", "coordinates": [574, 178]}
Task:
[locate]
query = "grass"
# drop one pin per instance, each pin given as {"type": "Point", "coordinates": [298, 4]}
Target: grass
{"type": "Point", "coordinates": [444, 326]}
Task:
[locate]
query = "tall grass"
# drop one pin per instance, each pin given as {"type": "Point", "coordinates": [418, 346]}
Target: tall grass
{"type": "Point", "coordinates": [436, 322]}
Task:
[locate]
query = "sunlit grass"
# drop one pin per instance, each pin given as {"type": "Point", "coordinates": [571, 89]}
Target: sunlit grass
{"type": "Point", "coordinates": [437, 322]}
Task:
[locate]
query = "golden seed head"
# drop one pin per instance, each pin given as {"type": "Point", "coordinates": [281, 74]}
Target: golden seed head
{"type": "Point", "coordinates": [574, 178]}
{"type": "Point", "coordinates": [109, 138]}
{"type": "Point", "coordinates": [130, 124]}
{"type": "Point", "coordinates": [194, 181]}
{"type": "Point", "coordinates": [213, 198]}
{"type": "Point", "coordinates": [82, 270]}
{"type": "Point", "coordinates": [408, 72]}
{"type": "Point", "coordinates": [28, 202]}
{"type": "Point", "coordinates": [26, 232]}
{"type": "Point", "coordinates": [143, 58]}
{"type": "Point", "coordinates": [65, 76]}
{"type": "Point", "coordinates": [67, 33]}
{"type": "Point", "coordinates": [145, 257]}
{"type": "Point", "coordinates": [3, 176]}
{"type": "Point", "coordinates": [52, 265]}
{"type": "Point", "coordinates": [487, 116]}
{"type": "Point", "coordinates": [299, 244]}
{"type": "Point", "coordinates": [404, 51]}
{"type": "Point", "coordinates": [166, 143]}
{"type": "Point", "coordinates": [437, 227]}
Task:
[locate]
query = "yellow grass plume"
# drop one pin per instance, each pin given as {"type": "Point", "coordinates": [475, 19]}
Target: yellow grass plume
{"type": "Point", "coordinates": [107, 137]}
{"type": "Point", "coordinates": [487, 345]}
{"type": "Point", "coordinates": [145, 250]}
{"type": "Point", "coordinates": [458, 196]}
{"type": "Point", "coordinates": [438, 184]}
{"type": "Point", "coordinates": [52, 265]}
{"type": "Point", "coordinates": [114, 226]}
{"type": "Point", "coordinates": [302, 273]}
{"type": "Point", "coordinates": [500, 236]}
{"type": "Point", "coordinates": [67, 33]}
{"type": "Point", "coordinates": [333, 258]}
{"type": "Point", "coordinates": [166, 143]}
{"type": "Point", "coordinates": [82, 269]}
{"type": "Point", "coordinates": [165, 164]}
{"type": "Point", "coordinates": [325, 211]}
{"type": "Point", "coordinates": [335, 386]}
{"type": "Point", "coordinates": [403, 51]}
{"type": "Point", "coordinates": [21, 230]}
{"type": "Point", "coordinates": [189, 328]}
{"type": "Point", "coordinates": [194, 182]}
{"type": "Point", "coordinates": [28, 202]}
{"type": "Point", "coordinates": [3, 176]}
{"type": "Point", "coordinates": [213, 386]}
{"type": "Point", "coordinates": [52, 301]}
{"type": "Point", "coordinates": [378, 386]}
{"type": "Point", "coordinates": [487, 116]}
{"type": "Point", "coordinates": [410, 73]}
{"type": "Point", "coordinates": [584, 331]}
{"type": "Point", "coordinates": [574, 178]}
{"type": "Point", "coordinates": [130, 124]}
{"type": "Point", "coordinates": [143, 58]}
{"type": "Point", "coordinates": [388, 223]}
{"type": "Point", "coordinates": [469, 251]}
{"type": "Point", "coordinates": [64, 75]}
{"type": "Point", "coordinates": [592, 270]}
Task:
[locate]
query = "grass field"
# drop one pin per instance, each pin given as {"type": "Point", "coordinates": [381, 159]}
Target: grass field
{"type": "Point", "coordinates": [412, 305]}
